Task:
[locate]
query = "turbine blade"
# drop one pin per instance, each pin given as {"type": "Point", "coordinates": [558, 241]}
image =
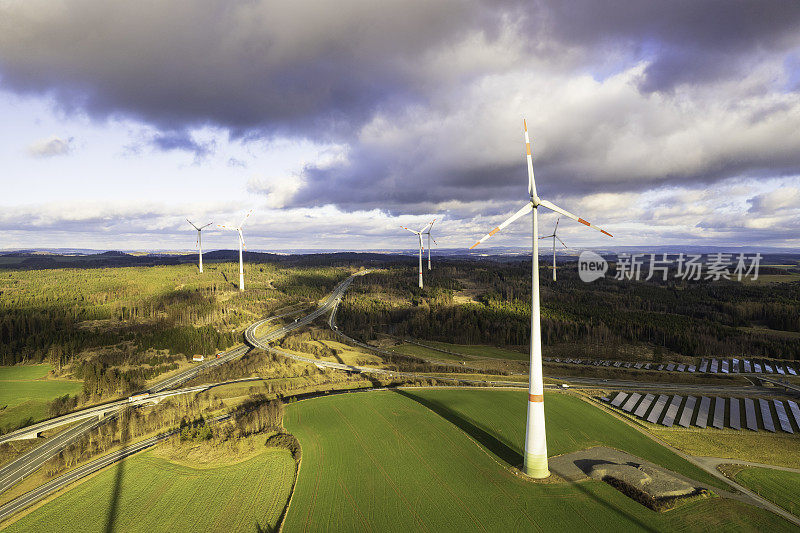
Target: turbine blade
{"type": "Point", "coordinates": [245, 218]}
{"type": "Point", "coordinates": [427, 226]}
{"type": "Point", "coordinates": [192, 223]}
{"type": "Point", "coordinates": [531, 180]}
{"type": "Point", "coordinates": [556, 228]}
{"type": "Point", "coordinates": [434, 241]}
{"type": "Point", "coordinates": [553, 207]}
{"type": "Point", "coordinates": [524, 211]}
{"type": "Point", "coordinates": [411, 230]}
{"type": "Point", "coordinates": [559, 240]}
{"type": "Point", "coordinates": [207, 225]}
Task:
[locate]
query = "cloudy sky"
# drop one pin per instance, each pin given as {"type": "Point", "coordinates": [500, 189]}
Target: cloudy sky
{"type": "Point", "coordinates": [664, 122]}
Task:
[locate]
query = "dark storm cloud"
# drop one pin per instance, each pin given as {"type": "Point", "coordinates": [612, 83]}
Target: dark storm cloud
{"type": "Point", "coordinates": [451, 79]}
{"type": "Point", "coordinates": [311, 69]}
{"type": "Point", "coordinates": [687, 40]}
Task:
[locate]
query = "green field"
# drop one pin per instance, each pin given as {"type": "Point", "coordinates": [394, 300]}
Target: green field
{"type": "Point", "coordinates": [25, 394]}
{"type": "Point", "coordinates": [401, 461]}
{"type": "Point", "coordinates": [148, 494]}
{"type": "Point", "coordinates": [778, 486]}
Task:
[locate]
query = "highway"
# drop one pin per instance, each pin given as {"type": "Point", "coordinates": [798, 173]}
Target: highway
{"type": "Point", "coordinates": [92, 417]}
{"type": "Point", "coordinates": [55, 484]}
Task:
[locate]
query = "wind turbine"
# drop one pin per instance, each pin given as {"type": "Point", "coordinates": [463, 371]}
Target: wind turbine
{"type": "Point", "coordinates": [419, 235]}
{"type": "Point", "coordinates": [554, 236]}
{"type": "Point", "coordinates": [199, 241]}
{"type": "Point", "coordinates": [238, 229]}
{"type": "Point", "coordinates": [535, 436]}
{"type": "Point", "coordinates": [428, 233]}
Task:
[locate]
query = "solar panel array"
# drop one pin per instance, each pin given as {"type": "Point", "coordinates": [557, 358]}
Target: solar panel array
{"type": "Point", "coordinates": [713, 366]}
{"type": "Point", "coordinates": [716, 412]}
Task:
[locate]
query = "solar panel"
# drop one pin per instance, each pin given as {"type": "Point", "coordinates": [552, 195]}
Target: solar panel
{"type": "Point", "coordinates": [642, 409]}
{"type": "Point", "coordinates": [719, 413]}
{"type": "Point", "coordinates": [658, 408]}
{"type": "Point", "coordinates": [647, 366]}
{"type": "Point", "coordinates": [688, 411]}
{"type": "Point", "coordinates": [724, 366]}
{"type": "Point", "coordinates": [736, 417]}
{"type": "Point", "coordinates": [747, 366]}
{"type": "Point", "coordinates": [672, 410]}
{"type": "Point", "coordinates": [735, 365]}
{"type": "Point", "coordinates": [702, 413]}
{"type": "Point", "coordinates": [618, 363]}
{"type": "Point", "coordinates": [660, 367]}
{"type": "Point", "coordinates": [780, 370]}
{"type": "Point", "coordinates": [691, 368]}
{"type": "Point", "coordinates": [791, 370]}
{"type": "Point", "coordinates": [795, 412]}
{"type": "Point", "coordinates": [627, 365]}
{"type": "Point", "coordinates": [756, 367]}
{"type": "Point", "coordinates": [637, 365]}
{"type": "Point", "coordinates": [766, 415]}
{"type": "Point", "coordinates": [768, 368]}
{"type": "Point", "coordinates": [619, 398]}
{"type": "Point", "coordinates": [750, 414]}
{"type": "Point", "coordinates": [714, 366]}
{"type": "Point", "coordinates": [681, 368]}
{"type": "Point", "coordinates": [703, 365]}
{"type": "Point", "coordinates": [783, 418]}
{"type": "Point", "coordinates": [670, 367]}
{"type": "Point", "coordinates": [631, 403]}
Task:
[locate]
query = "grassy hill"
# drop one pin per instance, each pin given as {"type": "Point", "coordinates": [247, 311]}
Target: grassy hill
{"type": "Point", "coordinates": [387, 461]}
{"type": "Point", "coordinates": [25, 394]}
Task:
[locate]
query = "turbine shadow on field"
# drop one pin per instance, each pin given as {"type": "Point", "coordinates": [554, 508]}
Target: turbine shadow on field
{"type": "Point", "coordinates": [113, 508]}
{"type": "Point", "coordinates": [489, 441]}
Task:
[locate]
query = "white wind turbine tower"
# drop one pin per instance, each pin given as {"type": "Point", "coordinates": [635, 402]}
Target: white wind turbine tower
{"type": "Point", "coordinates": [199, 241]}
{"type": "Point", "coordinates": [535, 436]}
{"type": "Point", "coordinates": [428, 233]}
{"type": "Point", "coordinates": [238, 229]}
{"type": "Point", "coordinates": [419, 235]}
{"type": "Point", "coordinates": [554, 236]}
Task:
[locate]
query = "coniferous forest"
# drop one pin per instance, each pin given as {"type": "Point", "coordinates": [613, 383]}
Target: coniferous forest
{"type": "Point", "coordinates": [469, 302]}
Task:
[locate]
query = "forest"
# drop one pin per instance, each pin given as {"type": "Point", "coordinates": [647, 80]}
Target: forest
{"type": "Point", "coordinates": [117, 328]}
{"type": "Point", "coordinates": [469, 302]}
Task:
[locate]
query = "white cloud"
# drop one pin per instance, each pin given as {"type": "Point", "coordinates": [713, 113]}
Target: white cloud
{"type": "Point", "coordinates": [49, 147]}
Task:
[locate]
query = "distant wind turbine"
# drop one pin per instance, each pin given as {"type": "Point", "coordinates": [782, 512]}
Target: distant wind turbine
{"type": "Point", "coordinates": [238, 229]}
{"type": "Point", "coordinates": [428, 233]}
{"type": "Point", "coordinates": [535, 436]}
{"type": "Point", "coordinates": [419, 235]}
{"type": "Point", "coordinates": [554, 236]}
{"type": "Point", "coordinates": [199, 241]}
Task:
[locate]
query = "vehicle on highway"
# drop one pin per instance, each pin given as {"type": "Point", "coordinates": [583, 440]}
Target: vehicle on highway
{"type": "Point", "coordinates": [137, 397]}
{"type": "Point", "coordinates": [198, 358]}
{"type": "Point", "coordinates": [220, 354]}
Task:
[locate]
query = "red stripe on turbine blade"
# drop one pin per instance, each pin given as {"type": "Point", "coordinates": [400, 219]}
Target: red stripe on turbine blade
{"type": "Point", "coordinates": [474, 245]}
{"type": "Point", "coordinates": [528, 148]}
{"type": "Point", "coordinates": [607, 233]}
{"type": "Point", "coordinates": [495, 230]}
{"type": "Point", "coordinates": [583, 222]}
{"type": "Point", "coordinates": [525, 124]}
